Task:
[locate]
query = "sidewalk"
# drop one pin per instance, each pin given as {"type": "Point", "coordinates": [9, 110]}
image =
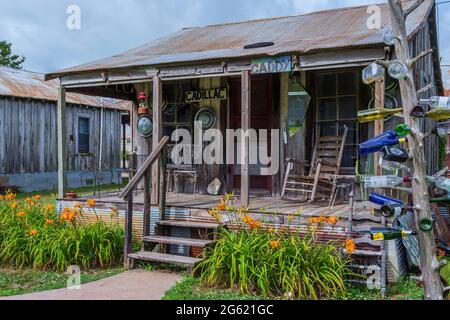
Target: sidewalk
{"type": "Point", "coordinates": [130, 285]}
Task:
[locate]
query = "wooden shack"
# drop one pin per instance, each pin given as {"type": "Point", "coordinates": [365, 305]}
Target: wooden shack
{"type": "Point", "coordinates": [260, 65]}
{"type": "Point", "coordinates": [28, 139]}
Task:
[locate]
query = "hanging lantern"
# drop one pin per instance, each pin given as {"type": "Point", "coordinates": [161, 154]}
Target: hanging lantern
{"type": "Point", "coordinates": [397, 69]}
{"type": "Point", "coordinates": [142, 108]}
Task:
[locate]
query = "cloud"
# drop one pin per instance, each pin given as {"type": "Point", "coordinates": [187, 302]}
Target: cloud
{"type": "Point", "coordinates": [38, 28]}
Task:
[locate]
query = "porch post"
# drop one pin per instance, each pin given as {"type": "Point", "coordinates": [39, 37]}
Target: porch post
{"type": "Point", "coordinates": [62, 142]}
{"type": "Point", "coordinates": [245, 144]}
{"type": "Point", "coordinates": [157, 135]}
{"type": "Point", "coordinates": [379, 124]}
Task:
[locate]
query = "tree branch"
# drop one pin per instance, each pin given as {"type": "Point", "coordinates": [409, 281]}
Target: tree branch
{"type": "Point", "coordinates": [382, 63]}
{"type": "Point", "coordinates": [425, 89]}
{"type": "Point", "coordinates": [441, 265]}
{"type": "Point", "coordinates": [419, 56]}
{"type": "Point", "coordinates": [413, 7]}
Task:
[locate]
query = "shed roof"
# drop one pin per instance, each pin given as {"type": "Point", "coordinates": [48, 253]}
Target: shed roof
{"type": "Point", "coordinates": [301, 34]}
{"type": "Point", "coordinates": [32, 85]}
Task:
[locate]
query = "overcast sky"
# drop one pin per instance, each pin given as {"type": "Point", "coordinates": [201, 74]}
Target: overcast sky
{"type": "Point", "coordinates": [37, 28]}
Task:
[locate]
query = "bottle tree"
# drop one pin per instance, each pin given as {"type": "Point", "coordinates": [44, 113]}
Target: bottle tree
{"type": "Point", "coordinates": [429, 264]}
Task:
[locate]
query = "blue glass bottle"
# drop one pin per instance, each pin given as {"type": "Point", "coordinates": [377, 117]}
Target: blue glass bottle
{"type": "Point", "coordinates": [389, 138]}
{"type": "Point", "coordinates": [382, 200]}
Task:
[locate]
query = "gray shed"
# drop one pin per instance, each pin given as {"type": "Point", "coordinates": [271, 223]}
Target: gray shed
{"type": "Point", "coordinates": [28, 146]}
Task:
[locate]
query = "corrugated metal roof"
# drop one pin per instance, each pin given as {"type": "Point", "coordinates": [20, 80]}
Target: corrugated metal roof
{"type": "Point", "coordinates": [26, 84]}
{"type": "Point", "coordinates": [338, 28]}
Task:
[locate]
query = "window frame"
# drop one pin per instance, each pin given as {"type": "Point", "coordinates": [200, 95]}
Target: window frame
{"type": "Point", "coordinates": [337, 120]}
{"type": "Point", "coordinates": [89, 122]}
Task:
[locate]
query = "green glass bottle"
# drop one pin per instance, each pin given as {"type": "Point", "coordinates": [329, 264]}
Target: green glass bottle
{"type": "Point", "coordinates": [445, 199]}
{"type": "Point", "coordinates": [382, 234]}
{"type": "Point", "coordinates": [402, 130]}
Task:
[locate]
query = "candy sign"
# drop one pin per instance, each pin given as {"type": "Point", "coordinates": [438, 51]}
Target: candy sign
{"type": "Point", "coordinates": [271, 65]}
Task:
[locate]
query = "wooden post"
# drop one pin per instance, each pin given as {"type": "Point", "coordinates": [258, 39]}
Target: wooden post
{"type": "Point", "coordinates": [157, 134]}
{"type": "Point", "coordinates": [62, 143]}
{"type": "Point", "coordinates": [245, 143]}
{"type": "Point", "coordinates": [147, 204]}
{"type": "Point", "coordinates": [124, 144]}
{"type": "Point", "coordinates": [163, 185]}
{"type": "Point", "coordinates": [378, 124]}
{"type": "Point", "coordinates": [427, 247]}
{"type": "Point", "coordinates": [128, 231]}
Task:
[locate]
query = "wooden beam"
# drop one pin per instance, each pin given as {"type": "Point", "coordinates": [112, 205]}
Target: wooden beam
{"type": "Point", "coordinates": [147, 204]}
{"type": "Point", "coordinates": [62, 143]}
{"type": "Point", "coordinates": [157, 134]}
{"type": "Point", "coordinates": [128, 231]}
{"type": "Point", "coordinates": [102, 92]}
{"type": "Point", "coordinates": [432, 283]}
{"type": "Point", "coordinates": [145, 166]}
{"type": "Point", "coordinates": [379, 124]}
{"type": "Point", "coordinates": [245, 144]}
{"type": "Point", "coordinates": [163, 185]}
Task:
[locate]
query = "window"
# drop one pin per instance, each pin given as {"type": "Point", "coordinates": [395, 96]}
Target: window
{"type": "Point", "coordinates": [83, 135]}
{"type": "Point", "coordinates": [177, 116]}
{"type": "Point", "coordinates": [337, 106]}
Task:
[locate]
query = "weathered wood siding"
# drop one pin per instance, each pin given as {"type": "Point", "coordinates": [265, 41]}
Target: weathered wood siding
{"type": "Point", "coordinates": [425, 74]}
{"type": "Point", "coordinates": [28, 136]}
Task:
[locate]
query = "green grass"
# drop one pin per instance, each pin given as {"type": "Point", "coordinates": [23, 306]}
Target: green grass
{"type": "Point", "coordinates": [28, 281]}
{"type": "Point", "coordinates": [191, 289]}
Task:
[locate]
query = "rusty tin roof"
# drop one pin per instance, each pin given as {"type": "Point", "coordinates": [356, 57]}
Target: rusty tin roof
{"type": "Point", "coordinates": [31, 85]}
{"type": "Point", "coordinates": [302, 34]}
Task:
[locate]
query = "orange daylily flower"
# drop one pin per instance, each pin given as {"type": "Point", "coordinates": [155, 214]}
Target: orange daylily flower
{"type": "Point", "coordinates": [79, 206]}
{"type": "Point", "coordinates": [49, 222]}
{"type": "Point", "coordinates": [350, 246]}
{"type": "Point", "coordinates": [275, 244]}
{"type": "Point", "coordinates": [333, 220]}
{"type": "Point", "coordinates": [21, 214]}
{"type": "Point", "coordinates": [91, 203]}
{"type": "Point", "coordinates": [10, 197]}
{"type": "Point", "coordinates": [50, 207]}
{"type": "Point", "coordinates": [37, 197]}
{"type": "Point", "coordinates": [14, 205]}
{"type": "Point", "coordinates": [33, 232]}
{"type": "Point", "coordinates": [68, 214]}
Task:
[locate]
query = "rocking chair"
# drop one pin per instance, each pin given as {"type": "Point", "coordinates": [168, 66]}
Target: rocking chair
{"type": "Point", "coordinates": [325, 166]}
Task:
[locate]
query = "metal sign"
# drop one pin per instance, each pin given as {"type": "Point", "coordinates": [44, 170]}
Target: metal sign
{"type": "Point", "coordinates": [272, 65]}
{"type": "Point", "coordinates": [206, 95]}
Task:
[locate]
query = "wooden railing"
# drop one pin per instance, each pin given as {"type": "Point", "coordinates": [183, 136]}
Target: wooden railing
{"type": "Point", "coordinates": [144, 173]}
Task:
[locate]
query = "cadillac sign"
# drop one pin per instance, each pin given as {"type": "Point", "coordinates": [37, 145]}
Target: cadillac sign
{"type": "Point", "coordinates": [272, 65]}
{"type": "Point", "coordinates": [206, 95]}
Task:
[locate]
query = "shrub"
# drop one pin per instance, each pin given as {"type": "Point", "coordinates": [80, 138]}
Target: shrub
{"type": "Point", "coordinates": [33, 235]}
{"type": "Point", "coordinates": [276, 262]}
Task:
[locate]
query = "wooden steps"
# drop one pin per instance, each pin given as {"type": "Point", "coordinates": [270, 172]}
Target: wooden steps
{"type": "Point", "coordinates": [188, 224]}
{"type": "Point", "coordinates": [199, 243]}
{"type": "Point", "coordinates": [162, 237]}
{"type": "Point", "coordinates": [165, 258]}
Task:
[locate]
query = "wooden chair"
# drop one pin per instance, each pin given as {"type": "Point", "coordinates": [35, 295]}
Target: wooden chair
{"type": "Point", "coordinates": [324, 167]}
